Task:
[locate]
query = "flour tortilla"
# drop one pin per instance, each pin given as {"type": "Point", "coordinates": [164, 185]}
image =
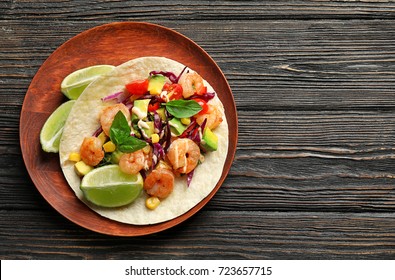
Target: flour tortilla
{"type": "Point", "coordinates": [84, 120]}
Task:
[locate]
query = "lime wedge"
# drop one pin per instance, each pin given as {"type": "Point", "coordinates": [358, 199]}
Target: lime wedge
{"type": "Point", "coordinates": [74, 84]}
{"type": "Point", "coordinates": [53, 127]}
{"type": "Point", "coordinates": [108, 186]}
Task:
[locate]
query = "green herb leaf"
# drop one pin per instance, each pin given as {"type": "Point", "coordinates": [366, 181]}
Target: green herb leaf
{"type": "Point", "coordinates": [131, 144]}
{"type": "Point", "coordinates": [183, 108]}
{"type": "Point", "coordinates": [120, 135]}
{"type": "Point", "coordinates": [119, 129]}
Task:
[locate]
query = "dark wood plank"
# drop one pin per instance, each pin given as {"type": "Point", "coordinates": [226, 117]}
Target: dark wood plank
{"type": "Point", "coordinates": [196, 10]}
{"type": "Point", "coordinates": [236, 235]}
{"type": "Point", "coordinates": [351, 134]}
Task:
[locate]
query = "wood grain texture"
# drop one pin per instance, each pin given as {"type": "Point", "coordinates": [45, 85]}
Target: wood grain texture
{"type": "Point", "coordinates": [227, 235]}
{"type": "Point", "coordinates": [314, 87]}
{"type": "Point", "coordinates": [200, 10]}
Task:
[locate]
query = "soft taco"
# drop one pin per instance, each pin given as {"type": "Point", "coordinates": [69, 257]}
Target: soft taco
{"type": "Point", "coordinates": [191, 184]}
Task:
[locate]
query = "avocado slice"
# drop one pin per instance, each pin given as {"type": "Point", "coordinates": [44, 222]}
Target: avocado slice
{"type": "Point", "coordinates": [176, 126]}
{"type": "Point", "coordinates": [155, 84]}
{"type": "Point", "coordinates": [148, 128]}
{"type": "Point", "coordinates": [115, 156]}
{"type": "Point", "coordinates": [140, 109]}
{"type": "Point", "coordinates": [162, 114]}
{"type": "Point", "coordinates": [209, 140]}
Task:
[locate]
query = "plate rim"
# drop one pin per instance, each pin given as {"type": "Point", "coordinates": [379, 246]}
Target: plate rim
{"type": "Point", "coordinates": [129, 230]}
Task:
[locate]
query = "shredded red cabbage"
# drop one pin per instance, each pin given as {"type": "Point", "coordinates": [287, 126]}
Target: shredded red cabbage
{"type": "Point", "coordinates": [195, 136]}
{"type": "Point", "coordinates": [168, 137]}
{"type": "Point", "coordinates": [128, 103]}
{"type": "Point", "coordinates": [190, 127]}
{"type": "Point", "coordinates": [158, 153]}
{"type": "Point", "coordinates": [172, 77]}
{"type": "Point", "coordinates": [118, 96]}
{"type": "Point", "coordinates": [154, 98]}
{"type": "Point", "coordinates": [179, 76]}
{"type": "Point", "coordinates": [97, 132]}
{"type": "Point", "coordinates": [193, 132]}
{"type": "Point", "coordinates": [146, 96]}
{"type": "Point", "coordinates": [203, 125]}
{"type": "Point", "coordinates": [206, 97]}
{"type": "Point", "coordinates": [189, 177]}
{"type": "Point", "coordinates": [157, 122]}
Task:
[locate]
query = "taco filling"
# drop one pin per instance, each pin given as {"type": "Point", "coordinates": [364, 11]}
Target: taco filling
{"type": "Point", "coordinates": [155, 122]}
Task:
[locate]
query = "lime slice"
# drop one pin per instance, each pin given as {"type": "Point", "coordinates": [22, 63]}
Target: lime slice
{"type": "Point", "coordinates": [53, 127]}
{"type": "Point", "coordinates": [108, 186]}
{"type": "Point", "coordinates": [74, 84]}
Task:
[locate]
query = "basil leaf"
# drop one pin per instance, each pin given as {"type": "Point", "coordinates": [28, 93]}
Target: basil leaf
{"type": "Point", "coordinates": [131, 144]}
{"type": "Point", "coordinates": [120, 129]}
{"type": "Point", "coordinates": [120, 135]}
{"type": "Point", "coordinates": [183, 108]}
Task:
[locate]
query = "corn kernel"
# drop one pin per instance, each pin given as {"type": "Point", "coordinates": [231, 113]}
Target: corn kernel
{"type": "Point", "coordinates": [82, 168]}
{"type": "Point", "coordinates": [74, 157]}
{"type": "Point", "coordinates": [109, 147]}
{"type": "Point", "coordinates": [103, 137]}
{"type": "Point", "coordinates": [152, 202]}
{"type": "Point", "coordinates": [155, 138]}
{"type": "Point", "coordinates": [185, 121]}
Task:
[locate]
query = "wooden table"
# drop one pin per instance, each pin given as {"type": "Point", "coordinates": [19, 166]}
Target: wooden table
{"type": "Point", "coordinates": [313, 176]}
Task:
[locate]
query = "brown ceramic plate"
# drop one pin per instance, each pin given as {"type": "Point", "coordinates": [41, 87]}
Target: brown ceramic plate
{"type": "Point", "coordinates": [113, 44]}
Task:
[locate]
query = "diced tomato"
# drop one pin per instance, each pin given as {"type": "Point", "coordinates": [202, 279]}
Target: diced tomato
{"type": "Point", "coordinates": [204, 105]}
{"type": "Point", "coordinates": [166, 86]}
{"type": "Point", "coordinates": [138, 87]}
{"type": "Point", "coordinates": [153, 107]}
{"type": "Point", "coordinates": [174, 91]}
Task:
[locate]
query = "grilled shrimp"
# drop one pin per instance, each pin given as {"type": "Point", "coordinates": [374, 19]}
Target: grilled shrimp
{"type": "Point", "coordinates": [91, 151]}
{"type": "Point", "coordinates": [213, 116]}
{"type": "Point", "coordinates": [133, 163]}
{"type": "Point", "coordinates": [108, 113]}
{"type": "Point", "coordinates": [191, 83]}
{"type": "Point", "coordinates": [159, 183]}
{"type": "Point", "coordinates": [184, 155]}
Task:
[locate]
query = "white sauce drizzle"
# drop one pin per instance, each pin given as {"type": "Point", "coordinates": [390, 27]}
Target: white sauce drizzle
{"type": "Point", "coordinates": [154, 159]}
{"type": "Point", "coordinates": [142, 124]}
{"type": "Point", "coordinates": [140, 114]}
{"type": "Point", "coordinates": [164, 96]}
